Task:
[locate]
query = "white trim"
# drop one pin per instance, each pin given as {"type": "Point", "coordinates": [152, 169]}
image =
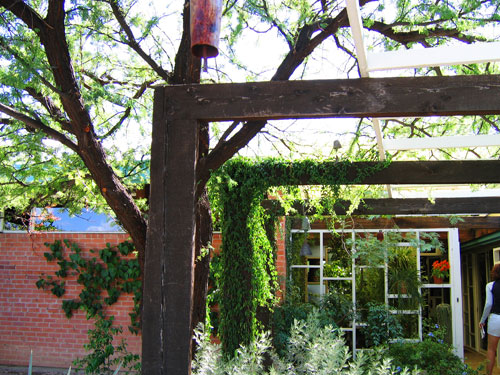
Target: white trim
{"type": "Point", "coordinates": [456, 292]}
{"type": "Point", "coordinates": [454, 286]}
{"type": "Point", "coordinates": [436, 56]}
{"type": "Point", "coordinates": [354, 15]}
{"type": "Point", "coordinates": [442, 142]}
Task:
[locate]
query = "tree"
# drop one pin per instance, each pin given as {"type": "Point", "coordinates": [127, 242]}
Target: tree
{"type": "Point", "coordinates": [76, 75]}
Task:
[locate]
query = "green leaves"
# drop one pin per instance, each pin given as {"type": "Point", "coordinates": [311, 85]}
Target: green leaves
{"type": "Point", "coordinates": [102, 281]}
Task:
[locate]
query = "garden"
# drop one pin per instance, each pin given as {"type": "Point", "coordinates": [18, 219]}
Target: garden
{"type": "Point", "coordinates": [356, 303]}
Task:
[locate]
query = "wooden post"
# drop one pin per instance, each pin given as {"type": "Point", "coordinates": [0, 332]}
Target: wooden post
{"type": "Point", "coordinates": [168, 273]}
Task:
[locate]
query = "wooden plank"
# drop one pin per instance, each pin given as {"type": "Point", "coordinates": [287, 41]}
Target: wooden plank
{"type": "Point", "coordinates": [178, 269]}
{"type": "Point", "coordinates": [409, 222]}
{"type": "Point", "coordinates": [395, 173]}
{"type": "Point", "coordinates": [152, 319]}
{"type": "Point", "coordinates": [364, 97]}
{"type": "Point", "coordinates": [422, 206]}
{"type": "Point", "coordinates": [475, 53]}
{"type": "Point", "coordinates": [356, 23]}
{"type": "Point", "coordinates": [168, 275]}
{"type": "Point", "coordinates": [458, 141]}
{"type": "Point", "coordinates": [411, 206]}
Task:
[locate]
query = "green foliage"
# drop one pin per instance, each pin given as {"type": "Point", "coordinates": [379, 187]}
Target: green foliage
{"type": "Point", "coordinates": [214, 293]}
{"type": "Point", "coordinates": [442, 317]}
{"type": "Point", "coordinates": [284, 316]}
{"type": "Point", "coordinates": [381, 325]}
{"type": "Point", "coordinates": [295, 290]}
{"type": "Point", "coordinates": [102, 281]}
{"type": "Point", "coordinates": [35, 172]}
{"type": "Point", "coordinates": [249, 279]}
{"type": "Point", "coordinates": [336, 308]}
{"type": "Point", "coordinates": [430, 356]}
{"type": "Point", "coordinates": [376, 249]}
{"type": "Point", "coordinates": [312, 349]}
{"type": "Point", "coordinates": [104, 354]}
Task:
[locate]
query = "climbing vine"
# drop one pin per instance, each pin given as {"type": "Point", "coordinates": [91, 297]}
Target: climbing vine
{"type": "Point", "coordinates": [102, 281]}
{"type": "Point", "coordinates": [249, 279]}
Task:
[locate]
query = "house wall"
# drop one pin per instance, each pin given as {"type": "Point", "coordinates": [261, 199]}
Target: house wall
{"type": "Point", "coordinates": [32, 319]}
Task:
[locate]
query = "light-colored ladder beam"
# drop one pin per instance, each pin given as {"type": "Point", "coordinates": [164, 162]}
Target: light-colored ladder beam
{"type": "Point", "coordinates": [354, 15]}
{"type": "Point", "coordinates": [436, 56]}
{"type": "Point", "coordinates": [459, 141]}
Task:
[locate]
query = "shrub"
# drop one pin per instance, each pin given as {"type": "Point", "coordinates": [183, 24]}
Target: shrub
{"type": "Point", "coordinates": [382, 326]}
{"type": "Point", "coordinates": [103, 354]}
{"type": "Point", "coordinates": [283, 318]}
{"type": "Point", "coordinates": [312, 349]}
{"type": "Point", "coordinates": [430, 356]}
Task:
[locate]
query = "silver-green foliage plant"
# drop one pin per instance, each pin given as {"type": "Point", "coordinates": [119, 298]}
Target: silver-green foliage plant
{"type": "Point", "coordinates": [312, 350]}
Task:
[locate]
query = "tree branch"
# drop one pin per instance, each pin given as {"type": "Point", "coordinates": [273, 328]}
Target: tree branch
{"type": "Point", "coordinates": [51, 107]}
{"type": "Point", "coordinates": [24, 12]}
{"type": "Point", "coordinates": [405, 37]}
{"type": "Point", "coordinates": [126, 114]}
{"type": "Point", "coordinates": [304, 46]}
{"type": "Point", "coordinates": [132, 42]}
{"type": "Point", "coordinates": [38, 125]}
{"type": "Point", "coordinates": [25, 64]}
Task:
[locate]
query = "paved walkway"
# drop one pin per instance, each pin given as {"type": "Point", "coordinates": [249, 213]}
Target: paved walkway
{"type": "Point", "coordinates": [474, 359]}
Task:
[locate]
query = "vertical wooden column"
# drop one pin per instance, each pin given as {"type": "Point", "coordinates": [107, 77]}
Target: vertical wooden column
{"type": "Point", "coordinates": [168, 274]}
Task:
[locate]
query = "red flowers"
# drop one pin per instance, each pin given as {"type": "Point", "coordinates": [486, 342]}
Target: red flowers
{"type": "Point", "coordinates": [441, 269]}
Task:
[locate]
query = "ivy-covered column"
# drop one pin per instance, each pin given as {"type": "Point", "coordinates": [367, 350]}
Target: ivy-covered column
{"type": "Point", "coordinates": [248, 280]}
{"type": "Point", "coordinates": [238, 305]}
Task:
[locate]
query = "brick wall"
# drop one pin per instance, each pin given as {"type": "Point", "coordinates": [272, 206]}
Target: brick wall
{"type": "Point", "coordinates": [32, 319]}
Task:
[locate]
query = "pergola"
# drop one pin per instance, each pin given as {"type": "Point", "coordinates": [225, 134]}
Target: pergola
{"type": "Point", "coordinates": [179, 111]}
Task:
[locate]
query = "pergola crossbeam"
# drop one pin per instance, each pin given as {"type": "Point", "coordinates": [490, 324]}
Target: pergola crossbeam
{"type": "Point", "coordinates": [342, 98]}
{"type": "Point", "coordinates": [409, 206]}
{"type": "Point", "coordinates": [437, 56]}
{"type": "Point", "coordinates": [458, 141]}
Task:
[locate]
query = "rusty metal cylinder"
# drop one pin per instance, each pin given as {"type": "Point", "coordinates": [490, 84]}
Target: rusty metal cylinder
{"type": "Point", "coordinates": [205, 16]}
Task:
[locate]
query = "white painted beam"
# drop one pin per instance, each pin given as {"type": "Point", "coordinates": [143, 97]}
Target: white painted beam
{"type": "Point", "coordinates": [458, 141]}
{"type": "Point", "coordinates": [356, 23]}
{"type": "Point", "coordinates": [436, 56]}
{"type": "Point", "coordinates": [354, 15]}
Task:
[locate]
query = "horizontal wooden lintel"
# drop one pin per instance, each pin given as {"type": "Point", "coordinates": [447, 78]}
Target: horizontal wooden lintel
{"type": "Point", "coordinates": [355, 98]}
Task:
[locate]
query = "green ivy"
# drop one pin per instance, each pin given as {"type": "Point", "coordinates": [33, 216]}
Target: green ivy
{"type": "Point", "coordinates": [249, 280]}
{"type": "Point", "coordinates": [103, 279]}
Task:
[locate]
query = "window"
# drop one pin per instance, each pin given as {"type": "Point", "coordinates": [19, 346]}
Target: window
{"type": "Point", "coordinates": [59, 220]}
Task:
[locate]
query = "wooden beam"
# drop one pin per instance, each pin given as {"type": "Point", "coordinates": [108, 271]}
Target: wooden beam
{"type": "Point", "coordinates": [423, 206]}
{"type": "Point", "coordinates": [475, 53]}
{"type": "Point", "coordinates": [364, 97]}
{"type": "Point", "coordinates": [410, 206]}
{"type": "Point", "coordinates": [459, 141]}
{"type": "Point", "coordinates": [409, 222]}
{"type": "Point", "coordinates": [394, 173]}
{"type": "Point", "coordinates": [356, 23]}
{"type": "Point", "coordinates": [168, 276]}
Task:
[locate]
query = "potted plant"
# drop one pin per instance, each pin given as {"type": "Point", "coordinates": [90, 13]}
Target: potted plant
{"type": "Point", "coordinates": [440, 271]}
